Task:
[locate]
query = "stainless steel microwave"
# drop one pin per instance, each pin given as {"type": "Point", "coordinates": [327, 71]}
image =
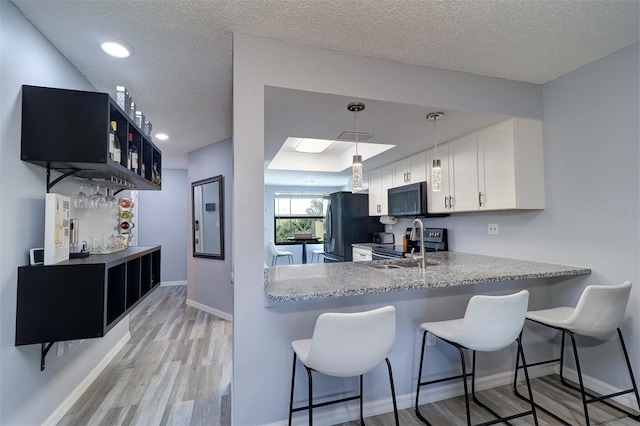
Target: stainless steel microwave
{"type": "Point", "coordinates": [408, 200]}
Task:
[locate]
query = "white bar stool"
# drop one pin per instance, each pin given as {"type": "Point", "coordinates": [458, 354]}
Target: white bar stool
{"type": "Point", "coordinates": [600, 311]}
{"type": "Point", "coordinates": [346, 345]}
{"type": "Point", "coordinates": [490, 323]}
{"type": "Point", "coordinates": [275, 253]}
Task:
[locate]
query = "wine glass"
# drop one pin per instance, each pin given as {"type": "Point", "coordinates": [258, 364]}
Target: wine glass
{"type": "Point", "coordinates": [97, 200]}
{"type": "Point", "coordinates": [80, 200]}
{"type": "Point", "coordinates": [111, 202]}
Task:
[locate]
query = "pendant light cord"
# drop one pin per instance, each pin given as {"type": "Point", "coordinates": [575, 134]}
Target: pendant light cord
{"type": "Point", "coordinates": [355, 115]}
{"type": "Point", "coordinates": [435, 132]}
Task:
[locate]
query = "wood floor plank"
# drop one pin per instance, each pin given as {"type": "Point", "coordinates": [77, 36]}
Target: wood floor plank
{"type": "Point", "coordinates": [176, 365]}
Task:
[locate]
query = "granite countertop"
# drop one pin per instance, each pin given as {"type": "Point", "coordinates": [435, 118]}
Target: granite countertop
{"type": "Point", "coordinates": [288, 283]}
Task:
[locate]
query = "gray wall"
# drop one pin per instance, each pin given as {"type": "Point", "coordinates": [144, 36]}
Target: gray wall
{"type": "Point", "coordinates": [209, 280]}
{"type": "Point", "coordinates": [258, 63]}
{"type": "Point", "coordinates": [164, 218]}
{"type": "Point", "coordinates": [28, 396]}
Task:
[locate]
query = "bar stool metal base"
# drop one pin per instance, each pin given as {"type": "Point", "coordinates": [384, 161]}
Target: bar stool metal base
{"type": "Point", "coordinates": [464, 376]}
{"type": "Point", "coordinates": [311, 405]}
{"type": "Point", "coordinates": [583, 393]}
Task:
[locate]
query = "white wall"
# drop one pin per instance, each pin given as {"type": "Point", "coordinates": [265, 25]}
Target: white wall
{"type": "Point", "coordinates": [209, 280]}
{"type": "Point", "coordinates": [28, 396]}
{"type": "Point", "coordinates": [259, 62]}
{"type": "Point", "coordinates": [164, 219]}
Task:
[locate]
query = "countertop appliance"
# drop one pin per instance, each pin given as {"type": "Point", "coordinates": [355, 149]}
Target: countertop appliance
{"type": "Point", "coordinates": [409, 200]}
{"type": "Point", "coordinates": [346, 222]}
{"type": "Point", "coordinates": [435, 239]}
{"type": "Point", "coordinates": [383, 238]}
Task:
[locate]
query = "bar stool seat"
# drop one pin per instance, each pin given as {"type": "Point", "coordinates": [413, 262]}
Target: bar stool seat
{"type": "Point", "coordinates": [490, 323]}
{"type": "Point", "coordinates": [346, 345]}
{"type": "Point", "coordinates": [598, 313]}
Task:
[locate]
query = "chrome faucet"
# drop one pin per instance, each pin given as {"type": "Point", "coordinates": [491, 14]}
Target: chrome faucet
{"type": "Point", "coordinates": [412, 237]}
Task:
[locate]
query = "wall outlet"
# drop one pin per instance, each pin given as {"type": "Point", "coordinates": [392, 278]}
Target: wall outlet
{"type": "Point", "coordinates": [493, 229]}
{"type": "Point", "coordinates": [431, 339]}
{"type": "Point", "coordinates": [60, 348]}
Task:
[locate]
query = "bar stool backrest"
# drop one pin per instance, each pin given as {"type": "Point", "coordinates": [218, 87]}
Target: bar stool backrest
{"type": "Point", "coordinates": [351, 344]}
{"type": "Point", "coordinates": [493, 322]}
{"type": "Point", "coordinates": [600, 310]}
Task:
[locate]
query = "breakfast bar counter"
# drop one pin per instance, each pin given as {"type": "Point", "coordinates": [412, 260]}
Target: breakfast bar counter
{"type": "Point", "coordinates": [289, 283]}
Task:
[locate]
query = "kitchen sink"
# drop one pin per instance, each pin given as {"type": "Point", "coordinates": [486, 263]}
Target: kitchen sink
{"type": "Point", "coordinates": [409, 265]}
{"type": "Point", "coordinates": [385, 266]}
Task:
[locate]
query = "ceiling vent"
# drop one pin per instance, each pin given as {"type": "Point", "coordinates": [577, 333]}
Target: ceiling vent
{"type": "Point", "coordinates": [349, 135]}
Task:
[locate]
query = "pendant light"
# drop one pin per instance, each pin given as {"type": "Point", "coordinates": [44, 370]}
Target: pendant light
{"type": "Point", "coordinates": [356, 168]}
{"type": "Point", "coordinates": [436, 169]}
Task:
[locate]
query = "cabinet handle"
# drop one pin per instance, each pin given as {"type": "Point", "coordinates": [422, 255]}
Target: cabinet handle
{"type": "Point", "coordinates": [408, 176]}
{"type": "Point", "coordinates": [450, 201]}
{"type": "Point", "coordinates": [480, 198]}
{"type": "Point", "coordinates": [445, 202]}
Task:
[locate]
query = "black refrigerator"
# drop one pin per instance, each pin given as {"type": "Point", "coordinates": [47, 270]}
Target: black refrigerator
{"type": "Point", "coordinates": [347, 221]}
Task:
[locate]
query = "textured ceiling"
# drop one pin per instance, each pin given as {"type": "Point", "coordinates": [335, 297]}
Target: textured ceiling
{"type": "Point", "coordinates": [180, 71]}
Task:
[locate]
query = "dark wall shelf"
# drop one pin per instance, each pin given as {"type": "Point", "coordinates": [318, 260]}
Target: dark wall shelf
{"type": "Point", "coordinates": [69, 130]}
{"type": "Point", "coordinates": [83, 298]}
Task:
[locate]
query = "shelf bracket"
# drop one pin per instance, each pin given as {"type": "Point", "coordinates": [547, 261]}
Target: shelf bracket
{"type": "Point", "coordinates": [45, 347]}
{"type": "Point", "coordinates": [52, 184]}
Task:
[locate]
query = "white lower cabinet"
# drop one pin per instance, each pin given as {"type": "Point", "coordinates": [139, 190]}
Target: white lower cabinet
{"type": "Point", "coordinates": [361, 254]}
{"type": "Point", "coordinates": [497, 168]}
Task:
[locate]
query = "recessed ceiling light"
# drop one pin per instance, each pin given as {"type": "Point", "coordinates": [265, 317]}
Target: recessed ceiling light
{"type": "Point", "coordinates": [313, 146]}
{"type": "Point", "coordinates": [309, 182]}
{"type": "Point", "coordinates": [162, 136]}
{"type": "Point", "coordinates": [116, 49]}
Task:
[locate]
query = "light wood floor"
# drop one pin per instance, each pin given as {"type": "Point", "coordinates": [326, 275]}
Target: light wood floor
{"type": "Point", "coordinates": [548, 392]}
{"type": "Point", "coordinates": [176, 370]}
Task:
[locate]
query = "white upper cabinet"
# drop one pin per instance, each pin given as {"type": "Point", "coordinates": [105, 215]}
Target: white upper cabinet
{"type": "Point", "coordinates": [409, 170]}
{"type": "Point", "coordinates": [459, 165]}
{"type": "Point", "coordinates": [380, 180]}
{"type": "Point", "coordinates": [497, 168]}
{"type": "Point", "coordinates": [511, 165]}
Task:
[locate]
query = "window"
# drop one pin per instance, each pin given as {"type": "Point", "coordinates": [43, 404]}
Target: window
{"type": "Point", "coordinates": [296, 213]}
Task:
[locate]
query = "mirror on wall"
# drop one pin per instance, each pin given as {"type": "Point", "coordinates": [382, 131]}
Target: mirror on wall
{"type": "Point", "coordinates": [208, 218]}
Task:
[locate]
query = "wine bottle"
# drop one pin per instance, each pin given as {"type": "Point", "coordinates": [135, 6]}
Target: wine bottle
{"type": "Point", "coordinates": [112, 144]}
{"type": "Point", "coordinates": [133, 154]}
{"type": "Point", "coordinates": [117, 151]}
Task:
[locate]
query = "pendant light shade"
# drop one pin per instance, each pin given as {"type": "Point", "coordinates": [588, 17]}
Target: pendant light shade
{"type": "Point", "coordinates": [436, 176]}
{"type": "Point", "coordinates": [356, 172]}
{"type": "Point", "coordinates": [356, 168]}
{"type": "Point", "coordinates": [436, 165]}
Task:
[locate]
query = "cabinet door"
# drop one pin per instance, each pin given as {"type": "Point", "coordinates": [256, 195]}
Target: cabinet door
{"type": "Point", "coordinates": [386, 179]}
{"type": "Point", "coordinates": [496, 167]}
{"type": "Point", "coordinates": [417, 168]}
{"type": "Point", "coordinates": [437, 201]}
{"type": "Point", "coordinates": [400, 173]}
{"type": "Point", "coordinates": [463, 173]}
{"type": "Point", "coordinates": [361, 255]}
{"type": "Point", "coordinates": [375, 192]}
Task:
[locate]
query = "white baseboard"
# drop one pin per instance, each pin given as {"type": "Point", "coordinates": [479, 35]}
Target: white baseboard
{"type": "Point", "coordinates": [172, 283]}
{"type": "Point", "coordinates": [208, 309]}
{"type": "Point", "coordinates": [343, 413]}
{"type": "Point", "coordinates": [600, 387]}
{"type": "Point", "coordinates": [73, 397]}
